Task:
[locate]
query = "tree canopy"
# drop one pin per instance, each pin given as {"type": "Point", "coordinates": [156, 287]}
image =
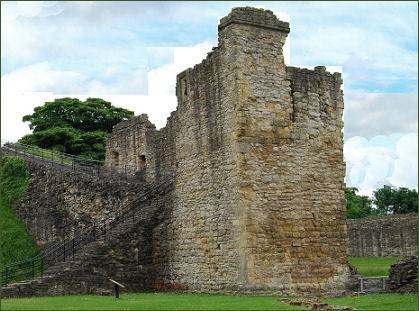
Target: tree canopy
{"type": "Point", "coordinates": [386, 200]}
{"type": "Point", "coordinates": [73, 126]}
{"type": "Point", "coordinates": [390, 200]}
{"type": "Point", "coordinates": [357, 206]}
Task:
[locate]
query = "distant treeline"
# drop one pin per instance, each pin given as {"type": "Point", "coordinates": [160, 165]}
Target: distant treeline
{"type": "Point", "coordinates": [385, 200]}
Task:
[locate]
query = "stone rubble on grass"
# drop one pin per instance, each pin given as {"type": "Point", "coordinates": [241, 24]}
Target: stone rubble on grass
{"type": "Point", "coordinates": [314, 304]}
{"type": "Point", "coordinates": [403, 276]}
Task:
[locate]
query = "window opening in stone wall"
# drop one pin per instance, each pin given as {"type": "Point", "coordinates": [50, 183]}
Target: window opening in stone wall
{"type": "Point", "coordinates": [115, 158]}
{"type": "Point", "coordinates": [183, 88]}
{"type": "Point", "coordinates": [141, 162]}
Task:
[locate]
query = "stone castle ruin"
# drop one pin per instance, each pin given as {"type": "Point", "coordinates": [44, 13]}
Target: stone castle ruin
{"type": "Point", "coordinates": [256, 148]}
{"type": "Point", "coordinates": [255, 152]}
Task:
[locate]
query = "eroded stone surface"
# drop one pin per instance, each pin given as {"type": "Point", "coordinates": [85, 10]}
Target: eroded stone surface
{"type": "Point", "coordinates": [258, 204]}
{"type": "Point", "coordinates": [403, 276]}
{"type": "Point", "coordinates": [59, 204]}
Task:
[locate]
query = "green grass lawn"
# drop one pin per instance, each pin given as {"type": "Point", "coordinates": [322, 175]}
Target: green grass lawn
{"type": "Point", "coordinates": [173, 301]}
{"type": "Point", "coordinates": [148, 301]}
{"type": "Point", "coordinates": [373, 266]}
{"type": "Point", "coordinates": [377, 302]}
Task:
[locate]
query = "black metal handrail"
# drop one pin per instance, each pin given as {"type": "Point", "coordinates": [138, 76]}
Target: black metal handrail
{"type": "Point", "coordinates": [66, 250]}
{"type": "Point", "coordinates": [76, 164]}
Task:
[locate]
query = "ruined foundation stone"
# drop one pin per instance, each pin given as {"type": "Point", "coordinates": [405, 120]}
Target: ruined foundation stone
{"type": "Point", "coordinates": [257, 148]}
{"type": "Point", "coordinates": [403, 276]}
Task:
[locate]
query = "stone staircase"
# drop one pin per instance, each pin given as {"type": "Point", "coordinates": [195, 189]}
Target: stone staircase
{"type": "Point", "coordinates": [120, 249]}
{"type": "Point", "coordinates": [124, 254]}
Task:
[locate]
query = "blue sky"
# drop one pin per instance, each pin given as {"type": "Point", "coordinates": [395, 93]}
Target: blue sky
{"type": "Point", "coordinates": [130, 52]}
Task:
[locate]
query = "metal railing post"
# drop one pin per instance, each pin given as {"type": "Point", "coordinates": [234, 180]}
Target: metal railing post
{"type": "Point", "coordinates": [94, 229]}
{"type": "Point", "coordinates": [42, 266]}
{"type": "Point", "coordinates": [72, 247]}
{"type": "Point", "coordinates": [33, 268]}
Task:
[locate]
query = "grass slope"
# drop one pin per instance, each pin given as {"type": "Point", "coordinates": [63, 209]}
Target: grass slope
{"type": "Point", "coordinates": [373, 266]}
{"type": "Point", "coordinates": [15, 244]}
{"type": "Point", "coordinates": [148, 301]}
{"type": "Point", "coordinates": [377, 302]}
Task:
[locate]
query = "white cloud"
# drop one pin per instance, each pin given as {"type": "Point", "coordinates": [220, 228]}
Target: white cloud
{"type": "Point", "coordinates": [14, 107]}
{"type": "Point", "coordinates": [162, 80]}
{"type": "Point", "coordinates": [43, 77]}
{"type": "Point", "coordinates": [30, 86]}
{"type": "Point", "coordinates": [382, 160]}
{"type": "Point", "coordinates": [11, 10]}
{"type": "Point", "coordinates": [372, 114]}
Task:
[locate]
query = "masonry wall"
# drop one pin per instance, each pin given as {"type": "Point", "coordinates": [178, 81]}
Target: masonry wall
{"type": "Point", "coordinates": [392, 235]}
{"type": "Point", "coordinates": [292, 210]}
{"type": "Point", "coordinates": [256, 147]}
{"type": "Point", "coordinates": [124, 254]}
{"type": "Point", "coordinates": [196, 248]}
{"type": "Point", "coordinates": [130, 148]}
{"type": "Point", "coordinates": [60, 203]}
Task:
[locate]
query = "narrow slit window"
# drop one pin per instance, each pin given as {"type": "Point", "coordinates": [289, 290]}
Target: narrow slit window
{"type": "Point", "coordinates": [141, 162]}
{"type": "Point", "coordinates": [184, 88]}
{"type": "Point", "coordinates": [115, 158]}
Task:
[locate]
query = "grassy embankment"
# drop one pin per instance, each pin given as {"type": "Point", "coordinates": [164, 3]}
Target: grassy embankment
{"type": "Point", "coordinates": [15, 244]}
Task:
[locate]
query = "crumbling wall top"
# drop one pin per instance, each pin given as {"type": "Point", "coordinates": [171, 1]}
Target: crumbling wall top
{"type": "Point", "coordinates": [256, 17]}
{"type": "Point", "coordinates": [140, 120]}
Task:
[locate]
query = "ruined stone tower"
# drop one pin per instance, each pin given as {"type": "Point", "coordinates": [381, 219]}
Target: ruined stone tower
{"type": "Point", "coordinates": [256, 146]}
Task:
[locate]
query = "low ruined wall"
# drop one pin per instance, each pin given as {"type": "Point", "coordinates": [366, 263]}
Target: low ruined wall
{"type": "Point", "coordinates": [392, 235]}
{"type": "Point", "coordinates": [403, 276]}
{"type": "Point", "coordinates": [58, 204]}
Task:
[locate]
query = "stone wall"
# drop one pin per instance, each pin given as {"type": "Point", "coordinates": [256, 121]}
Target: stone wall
{"type": "Point", "coordinates": [125, 255]}
{"type": "Point", "coordinates": [258, 203]}
{"type": "Point", "coordinates": [130, 147]}
{"type": "Point", "coordinates": [59, 203]}
{"type": "Point", "coordinates": [392, 235]}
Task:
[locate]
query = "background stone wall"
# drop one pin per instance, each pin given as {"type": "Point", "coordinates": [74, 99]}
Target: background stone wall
{"type": "Point", "coordinates": [258, 203]}
{"type": "Point", "coordinates": [391, 235]}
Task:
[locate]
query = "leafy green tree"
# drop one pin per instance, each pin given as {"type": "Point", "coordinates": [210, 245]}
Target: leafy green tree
{"type": "Point", "coordinates": [390, 200]}
{"type": "Point", "coordinates": [73, 126]}
{"type": "Point", "coordinates": [357, 206]}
